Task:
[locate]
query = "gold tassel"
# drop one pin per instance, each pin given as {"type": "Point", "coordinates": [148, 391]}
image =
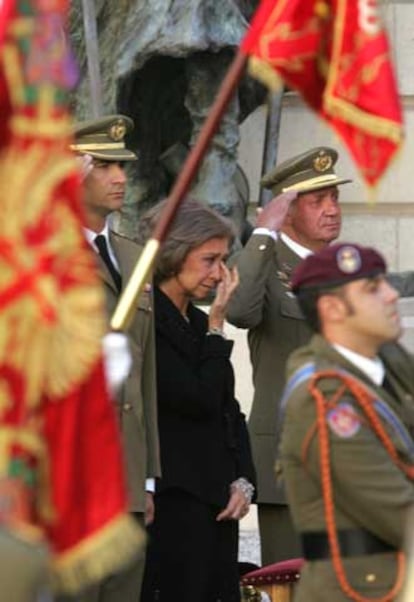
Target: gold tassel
{"type": "Point", "coordinates": [99, 555]}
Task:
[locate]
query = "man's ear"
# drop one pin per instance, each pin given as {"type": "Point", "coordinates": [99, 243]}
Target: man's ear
{"type": "Point", "coordinates": [331, 308]}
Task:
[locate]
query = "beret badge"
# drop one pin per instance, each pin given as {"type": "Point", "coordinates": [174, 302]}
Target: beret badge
{"type": "Point", "coordinates": [348, 260]}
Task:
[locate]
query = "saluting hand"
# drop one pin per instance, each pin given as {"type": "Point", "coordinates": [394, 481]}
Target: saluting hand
{"type": "Point", "coordinates": [273, 214]}
{"type": "Point", "coordinates": [85, 164]}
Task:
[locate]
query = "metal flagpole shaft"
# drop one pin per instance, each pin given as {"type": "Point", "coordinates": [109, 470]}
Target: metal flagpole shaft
{"type": "Point", "coordinates": [125, 309]}
{"type": "Point", "coordinates": [92, 56]}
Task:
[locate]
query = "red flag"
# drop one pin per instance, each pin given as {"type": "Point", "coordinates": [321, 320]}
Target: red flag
{"type": "Point", "coordinates": [336, 54]}
{"type": "Point", "coordinates": [58, 431]}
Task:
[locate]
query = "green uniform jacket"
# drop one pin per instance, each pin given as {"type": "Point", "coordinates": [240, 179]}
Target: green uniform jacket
{"type": "Point", "coordinates": [264, 304]}
{"type": "Point", "coordinates": [370, 491]}
{"type": "Point", "coordinates": [137, 403]}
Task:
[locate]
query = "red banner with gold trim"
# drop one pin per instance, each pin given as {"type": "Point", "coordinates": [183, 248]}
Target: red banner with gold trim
{"type": "Point", "coordinates": [59, 439]}
{"type": "Point", "coordinates": [336, 54]}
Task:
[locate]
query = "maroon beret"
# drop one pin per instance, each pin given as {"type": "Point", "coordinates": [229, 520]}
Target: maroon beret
{"type": "Point", "coordinates": [335, 265]}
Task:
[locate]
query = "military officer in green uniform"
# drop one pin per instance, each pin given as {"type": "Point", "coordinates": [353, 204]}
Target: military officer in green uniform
{"type": "Point", "coordinates": [102, 142]}
{"type": "Point", "coordinates": [347, 447]}
{"type": "Point", "coordinates": [264, 304]}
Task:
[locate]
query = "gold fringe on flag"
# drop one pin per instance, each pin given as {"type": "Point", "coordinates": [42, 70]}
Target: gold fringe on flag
{"type": "Point", "coordinates": [98, 555]}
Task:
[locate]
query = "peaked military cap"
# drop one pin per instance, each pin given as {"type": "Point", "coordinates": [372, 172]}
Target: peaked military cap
{"type": "Point", "coordinates": [336, 265]}
{"type": "Point", "coordinates": [104, 138]}
{"type": "Point", "coordinates": [309, 171]}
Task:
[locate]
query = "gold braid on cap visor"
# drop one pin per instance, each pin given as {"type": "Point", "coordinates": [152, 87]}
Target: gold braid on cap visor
{"type": "Point", "coordinates": [327, 179]}
{"type": "Point", "coordinates": [97, 147]}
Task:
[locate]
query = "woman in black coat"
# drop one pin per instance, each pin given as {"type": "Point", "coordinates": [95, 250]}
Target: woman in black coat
{"type": "Point", "coordinates": [207, 471]}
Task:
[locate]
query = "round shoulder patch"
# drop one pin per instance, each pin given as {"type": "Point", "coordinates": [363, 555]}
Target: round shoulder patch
{"type": "Point", "coordinates": [343, 420]}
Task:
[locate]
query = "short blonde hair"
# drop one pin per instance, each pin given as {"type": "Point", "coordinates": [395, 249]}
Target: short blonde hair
{"type": "Point", "coordinates": [194, 224]}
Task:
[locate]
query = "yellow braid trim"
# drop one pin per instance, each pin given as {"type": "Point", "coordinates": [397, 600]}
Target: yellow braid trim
{"type": "Point", "coordinates": [370, 124]}
{"type": "Point", "coordinates": [99, 555]}
{"type": "Point", "coordinates": [262, 71]}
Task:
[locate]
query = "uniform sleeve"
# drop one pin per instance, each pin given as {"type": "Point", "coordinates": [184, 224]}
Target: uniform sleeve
{"type": "Point", "coordinates": [149, 394]}
{"type": "Point", "coordinates": [368, 487]}
{"type": "Point", "coordinates": [254, 263]}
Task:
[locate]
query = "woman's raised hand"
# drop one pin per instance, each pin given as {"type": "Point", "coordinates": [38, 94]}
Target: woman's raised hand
{"type": "Point", "coordinates": [225, 289]}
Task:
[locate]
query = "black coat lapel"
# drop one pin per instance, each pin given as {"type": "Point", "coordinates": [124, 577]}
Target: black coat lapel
{"type": "Point", "coordinates": [184, 336]}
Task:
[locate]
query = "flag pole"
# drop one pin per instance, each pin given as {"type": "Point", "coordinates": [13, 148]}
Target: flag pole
{"type": "Point", "coordinates": [125, 309]}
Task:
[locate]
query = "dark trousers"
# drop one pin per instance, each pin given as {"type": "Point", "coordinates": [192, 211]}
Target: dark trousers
{"type": "Point", "coordinates": [190, 556]}
{"type": "Point", "coordinates": [123, 586]}
{"type": "Point", "coordinates": [278, 538]}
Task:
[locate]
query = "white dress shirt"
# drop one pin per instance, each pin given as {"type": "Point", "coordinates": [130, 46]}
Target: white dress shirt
{"type": "Point", "coordinates": [372, 367]}
{"type": "Point", "coordinates": [90, 236]}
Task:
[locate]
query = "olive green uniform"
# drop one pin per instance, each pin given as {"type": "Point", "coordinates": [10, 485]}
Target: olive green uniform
{"type": "Point", "coordinates": [137, 412]}
{"type": "Point", "coordinates": [24, 569]}
{"type": "Point", "coordinates": [264, 304]}
{"type": "Point", "coordinates": [137, 400]}
{"type": "Point", "coordinates": [136, 404]}
{"type": "Point", "coordinates": [371, 494]}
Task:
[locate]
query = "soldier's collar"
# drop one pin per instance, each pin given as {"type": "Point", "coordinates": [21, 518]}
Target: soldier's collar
{"type": "Point", "coordinates": [294, 246]}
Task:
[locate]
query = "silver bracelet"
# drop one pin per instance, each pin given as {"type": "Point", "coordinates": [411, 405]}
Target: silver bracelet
{"type": "Point", "coordinates": [217, 331]}
{"type": "Point", "coordinates": [243, 485]}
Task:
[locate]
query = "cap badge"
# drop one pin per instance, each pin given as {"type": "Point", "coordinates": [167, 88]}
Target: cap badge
{"type": "Point", "coordinates": [117, 130]}
{"type": "Point", "coordinates": [348, 260]}
{"type": "Point", "coordinates": [322, 163]}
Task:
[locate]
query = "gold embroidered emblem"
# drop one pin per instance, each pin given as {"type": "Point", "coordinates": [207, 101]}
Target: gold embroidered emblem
{"type": "Point", "coordinates": [117, 130]}
{"type": "Point", "coordinates": [348, 260]}
{"type": "Point", "coordinates": [322, 163]}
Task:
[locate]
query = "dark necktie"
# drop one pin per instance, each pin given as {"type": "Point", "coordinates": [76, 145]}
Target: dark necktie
{"type": "Point", "coordinates": [102, 246]}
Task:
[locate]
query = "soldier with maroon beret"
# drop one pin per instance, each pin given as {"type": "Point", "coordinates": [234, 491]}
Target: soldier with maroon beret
{"type": "Point", "coordinates": [347, 445]}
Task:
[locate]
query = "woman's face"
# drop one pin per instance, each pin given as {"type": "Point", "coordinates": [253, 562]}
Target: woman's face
{"type": "Point", "coordinates": [202, 269]}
